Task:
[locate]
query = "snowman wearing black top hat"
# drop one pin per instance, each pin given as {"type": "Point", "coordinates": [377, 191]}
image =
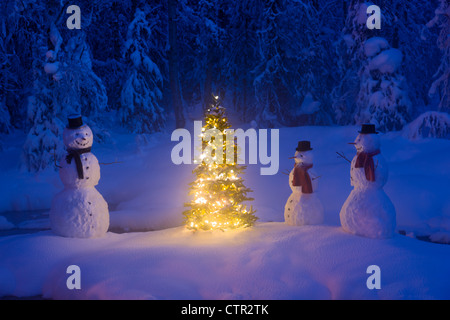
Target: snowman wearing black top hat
{"type": "Point", "coordinates": [368, 211]}
{"type": "Point", "coordinates": [303, 206]}
{"type": "Point", "coordinates": [79, 211]}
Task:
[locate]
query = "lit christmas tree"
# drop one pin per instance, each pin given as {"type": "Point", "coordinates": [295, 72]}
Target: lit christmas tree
{"type": "Point", "coordinates": [218, 190]}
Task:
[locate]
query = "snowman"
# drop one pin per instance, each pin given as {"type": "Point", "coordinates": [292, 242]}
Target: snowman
{"type": "Point", "coordinates": [303, 206]}
{"type": "Point", "coordinates": [368, 211]}
{"type": "Point", "coordinates": [79, 210]}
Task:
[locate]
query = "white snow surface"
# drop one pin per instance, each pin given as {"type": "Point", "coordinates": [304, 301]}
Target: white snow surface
{"type": "Point", "coordinates": [145, 191]}
{"type": "Point", "coordinates": [268, 261]}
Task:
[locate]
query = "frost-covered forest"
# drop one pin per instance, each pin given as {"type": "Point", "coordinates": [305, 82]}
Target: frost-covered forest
{"type": "Point", "coordinates": [275, 62]}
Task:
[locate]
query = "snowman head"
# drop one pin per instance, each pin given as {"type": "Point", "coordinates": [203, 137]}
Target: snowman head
{"type": "Point", "coordinates": [77, 135]}
{"type": "Point", "coordinates": [303, 153]}
{"type": "Point", "coordinates": [303, 157]}
{"type": "Point", "coordinates": [367, 142]}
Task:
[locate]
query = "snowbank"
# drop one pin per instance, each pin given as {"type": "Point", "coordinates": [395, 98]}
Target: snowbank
{"type": "Point", "coordinates": [5, 224]}
{"type": "Point", "coordinates": [431, 124]}
{"type": "Point", "coordinates": [269, 261]}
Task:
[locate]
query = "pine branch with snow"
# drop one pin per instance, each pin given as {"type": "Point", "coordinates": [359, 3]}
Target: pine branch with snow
{"type": "Point", "coordinates": [383, 97]}
{"type": "Point", "coordinates": [64, 83]}
{"type": "Point", "coordinates": [441, 84]}
{"type": "Point", "coordinates": [141, 93]}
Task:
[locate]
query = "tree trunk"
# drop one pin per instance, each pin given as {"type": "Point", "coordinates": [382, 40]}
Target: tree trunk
{"type": "Point", "coordinates": [175, 91]}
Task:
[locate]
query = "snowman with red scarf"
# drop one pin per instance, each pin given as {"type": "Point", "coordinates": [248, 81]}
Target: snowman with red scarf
{"type": "Point", "coordinates": [79, 210]}
{"type": "Point", "coordinates": [368, 211]}
{"type": "Point", "coordinates": [303, 207]}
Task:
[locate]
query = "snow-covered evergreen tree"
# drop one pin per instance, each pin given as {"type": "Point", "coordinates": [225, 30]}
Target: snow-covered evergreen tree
{"type": "Point", "coordinates": [5, 119]}
{"type": "Point", "coordinates": [383, 97]}
{"type": "Point", "coordinates": [21, 24]}
{"type": "Point", "coordinates": [441, 84]}
{"type": "Point", "coordinates": [241, 55]}
{"type": "Point", "coordinates": [350, 52]}
{"type": "Point", "coordinates": [402, 24]}
{"type": "Point", "coordinates": [5, 125]}
{"type": "Point", "coordinates": [82, 90]}
{"type": "Point", "coordinates": [141, 93]}
{"type": "Point", "coordinates": [5, 74]}
{"type": "Point", "coordinates": [64, 84]}
{"type": "Point", "coordinates": [44, 144]}
{"type": "Point", "coordinates": [274, 73]}
{"type": "Point", "coordinates": [310, 58]}
{"type": "Point", "coordinates": [202, 42]}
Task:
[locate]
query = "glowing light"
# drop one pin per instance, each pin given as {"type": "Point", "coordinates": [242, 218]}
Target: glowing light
{"type": "Point", "coordinates": [200, 200]}
{"type": "Point", "coordinates": [218, 191]}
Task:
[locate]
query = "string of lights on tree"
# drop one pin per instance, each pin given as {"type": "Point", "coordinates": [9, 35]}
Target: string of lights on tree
{"type": "Point", "coordinates": [218, 190]}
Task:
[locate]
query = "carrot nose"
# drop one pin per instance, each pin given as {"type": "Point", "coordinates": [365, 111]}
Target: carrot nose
{"type": "Point", "coordinates": [291, 158]}
{"type": "Point", "coordinates": [351, 143]}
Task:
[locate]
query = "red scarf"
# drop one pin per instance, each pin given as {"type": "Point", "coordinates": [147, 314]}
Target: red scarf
{"type": "Point", "coordinates": [365, 160]}
{"type": "Point", "coordinates": [302, 178]}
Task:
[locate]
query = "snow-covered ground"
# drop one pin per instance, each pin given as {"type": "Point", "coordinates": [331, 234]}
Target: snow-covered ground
{"type": "Point", "coordinates": [146, 192]}
{"type": "Point", "coordinates": [270, 261]}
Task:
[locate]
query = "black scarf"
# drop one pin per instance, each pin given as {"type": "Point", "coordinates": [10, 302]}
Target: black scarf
{"type": "Point", "coordinates": [75, 154]}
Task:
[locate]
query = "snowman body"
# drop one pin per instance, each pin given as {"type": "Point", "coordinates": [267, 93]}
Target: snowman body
{"type": "Point", "coordinates": [79, 210]}
{"type": "Point", "coordinates": [368, 211]}
{"type": "Point", "coordinates": [303, 208]}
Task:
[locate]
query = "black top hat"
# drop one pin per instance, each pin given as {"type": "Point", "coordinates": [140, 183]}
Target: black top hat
{"type": "Point", "coordinates": [303, 146]}
{"type": "Point", "coordinates": [75, 121]}
{"type": "Point", "coordinates": [367, 128]}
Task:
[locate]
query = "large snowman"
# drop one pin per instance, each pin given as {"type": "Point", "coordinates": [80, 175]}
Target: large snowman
{"type": "Point", "coordinates": [303, 207]}
{"type": "Point", "coordinates": [368, 211]}
{"type": "Point", "coordinates": [79, 211]}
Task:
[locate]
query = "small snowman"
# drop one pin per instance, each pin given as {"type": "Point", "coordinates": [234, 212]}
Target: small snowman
{"type": "Point", "coordinates": [79, 210]}
{"type": "Point", "coordinates": [303, 206]}
{"type": "Point", "coordinates": [368, 211]}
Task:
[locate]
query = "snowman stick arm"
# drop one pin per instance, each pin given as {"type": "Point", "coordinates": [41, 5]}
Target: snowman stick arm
{"type": "Point", "coordinates": [341, 155]}
{"type": "Point", "coordinates": [315, 178]}
{"type": "Point", "coordinates": [108, 163]}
